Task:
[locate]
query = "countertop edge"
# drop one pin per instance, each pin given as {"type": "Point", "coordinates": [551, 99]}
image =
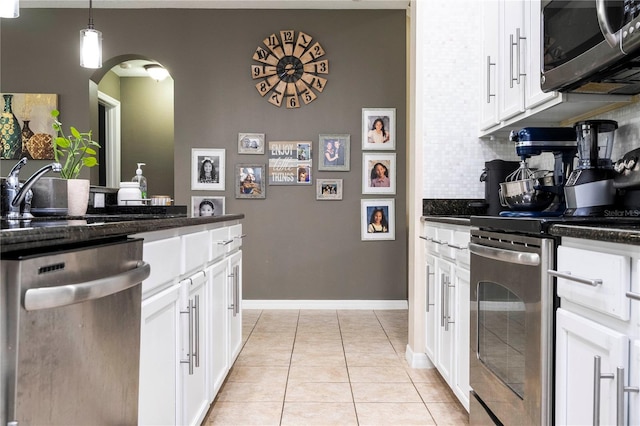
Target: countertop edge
{"type": "Point", "coordinates": [452, 220]}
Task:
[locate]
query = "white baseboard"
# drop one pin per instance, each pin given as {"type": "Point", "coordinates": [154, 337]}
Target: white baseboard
{"type": "Point", "coordinates": [417, 359]}
{"type": "Point", "coordinates": [325, 304]}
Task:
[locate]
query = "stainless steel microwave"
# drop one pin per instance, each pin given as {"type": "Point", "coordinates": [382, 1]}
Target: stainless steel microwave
{"type": "Point", "coordinates": [591, 46]}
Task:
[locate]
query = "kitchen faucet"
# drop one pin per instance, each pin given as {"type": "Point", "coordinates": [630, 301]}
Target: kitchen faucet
{"type": "Point", "coordinates": [17, 192]}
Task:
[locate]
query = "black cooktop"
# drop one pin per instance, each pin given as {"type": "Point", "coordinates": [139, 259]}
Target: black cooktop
{"type": "Point", "coordinates": [540, 225]}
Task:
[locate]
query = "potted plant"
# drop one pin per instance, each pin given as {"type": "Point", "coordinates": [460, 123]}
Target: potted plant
{"type": "Point", "coordinates": [74, 151]}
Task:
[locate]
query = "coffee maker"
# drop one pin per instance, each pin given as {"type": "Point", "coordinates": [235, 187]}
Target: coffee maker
{"type": "Point", "coordinates": [493, 174]}
{"type": "Point", "coordinates": [589, 191]}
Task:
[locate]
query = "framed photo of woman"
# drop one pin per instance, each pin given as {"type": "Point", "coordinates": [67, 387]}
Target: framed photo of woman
{"type": "Point", "coordinates": [250, 181]}
{"type": "Point", "coordinates": [378, 219]}
{"type": "Point", "coordinates": [335, 151]}
{"type": "Point", "coordinates": [207, 169]}
{"type": "Point", "coordinates": [379, 128]}
{"type": "Point", "coordinates": [207, 206]}
{"type": "Point", "coordinates": [378, 173]}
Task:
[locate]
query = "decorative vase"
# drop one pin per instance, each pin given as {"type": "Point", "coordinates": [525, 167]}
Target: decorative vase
{"type": "Point", "coordinates": [77, 197]}
{"type": "Point", "coordinates": [10, 133]}
{"type": "Point", "coordinates": [26, 135]}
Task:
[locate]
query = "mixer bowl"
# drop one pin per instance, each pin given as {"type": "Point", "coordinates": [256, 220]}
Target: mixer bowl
{"type": "Point", "coordinates": [527, 194]}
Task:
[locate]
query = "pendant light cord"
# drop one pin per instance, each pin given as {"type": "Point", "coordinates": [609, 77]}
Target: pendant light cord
{"type": "Point", "coordinates": [90, 26]}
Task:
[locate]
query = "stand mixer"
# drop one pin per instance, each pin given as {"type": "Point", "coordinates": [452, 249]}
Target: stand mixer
{"type": "Point", "coordinates": [533, 141]}
{"type": "Point", "coordinates": [589, 191]}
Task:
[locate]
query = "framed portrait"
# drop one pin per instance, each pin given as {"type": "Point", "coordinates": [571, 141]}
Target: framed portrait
{"type": "Point", "coordinates": [250, 181]}
{"type": "Point", "coordinates": [250, 143]}
{"type": "Point", "coordinates": [378, 218]}
{"type": "Point", "coordinates": [207, 206]}
{"type": "Point", "coordinates": [289, 163]}
{"type": "Point", "coordinates": [328, 189]}
{"type": "Point", "coordinates": [378, 173]}
{"type": "Point", "coordinates": [335, 151]}
{"type": "Point", "coordinates": [379, 128]}
{"type": "Point", "coordinates": [32, 134]}
{"type": "Point", "coordinates": [207, 169]}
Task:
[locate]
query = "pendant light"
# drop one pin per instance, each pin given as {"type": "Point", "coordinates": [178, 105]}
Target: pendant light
{"type": "Point", "coordinates": [9, 8]}
{"type": "Point", "coordinates": [90, 44]}
{"type": "Point", "coordinates": [156, 72]}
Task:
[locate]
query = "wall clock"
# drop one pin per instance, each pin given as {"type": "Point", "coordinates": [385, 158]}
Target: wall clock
{"type": "Point", "coordinates": [290, 69]}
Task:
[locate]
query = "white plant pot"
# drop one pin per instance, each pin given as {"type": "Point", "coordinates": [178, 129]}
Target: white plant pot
{"type": "Point", "coordinates": [77, 196]}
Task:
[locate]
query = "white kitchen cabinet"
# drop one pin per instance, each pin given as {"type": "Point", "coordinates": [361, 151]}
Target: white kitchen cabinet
{"type": "Point", "coordinates": [218, 336]}
{"type": "Point", "coordinates": [234, 300]}
{"type": "Point", "coordinates": [447, 304]}
{"type": "Point", "coordinates": [514, 46]}
{"type": "Point", "coordinates": [597, 323]}
{"type": "Point", "coordinates": [158, 358]}
{"type": "Point", "coordinates": [490, 55]}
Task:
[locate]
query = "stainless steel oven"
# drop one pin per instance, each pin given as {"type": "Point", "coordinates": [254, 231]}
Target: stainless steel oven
{"type": "Point", "coordinates": [511, 344]}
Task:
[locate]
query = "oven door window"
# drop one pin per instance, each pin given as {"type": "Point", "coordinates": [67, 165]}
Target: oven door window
{"type": "Point", "coordinates": [501, 334]}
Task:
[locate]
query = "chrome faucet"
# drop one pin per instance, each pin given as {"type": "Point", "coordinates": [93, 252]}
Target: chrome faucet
{"type": "Point", "coordinates": [17, 192]}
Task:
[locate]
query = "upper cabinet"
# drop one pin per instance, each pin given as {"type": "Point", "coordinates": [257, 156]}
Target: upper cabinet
{"type": "Point", "coordinates": [512, 60]}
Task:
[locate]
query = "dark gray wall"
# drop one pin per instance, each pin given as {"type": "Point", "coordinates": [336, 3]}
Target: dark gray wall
{"type": "Point", "coordinates": [296, 247]}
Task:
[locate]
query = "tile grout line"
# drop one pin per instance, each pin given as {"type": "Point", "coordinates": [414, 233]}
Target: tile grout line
{"type": "Point", "coordinates": [286, 386]}
{"type": "Point", "coordinates": [346, 364]}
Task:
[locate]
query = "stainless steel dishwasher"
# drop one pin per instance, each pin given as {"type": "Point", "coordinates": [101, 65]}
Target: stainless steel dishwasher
{"type": "Point", "coordinates": [70, 335]}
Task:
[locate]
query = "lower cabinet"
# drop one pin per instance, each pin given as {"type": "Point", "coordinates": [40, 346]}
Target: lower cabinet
{"type": "Point", "coordinates": [191, 328]}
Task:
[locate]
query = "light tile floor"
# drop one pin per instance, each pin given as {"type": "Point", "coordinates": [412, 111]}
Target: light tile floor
{"type": "Point", "coordinates": [328, 367]}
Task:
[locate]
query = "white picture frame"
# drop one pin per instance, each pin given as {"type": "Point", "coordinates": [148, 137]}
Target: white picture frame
{"type": "Point", "coordinates": [199, 179]}
{"type": "Point", "coordinates": [387, 228]}
{"type": "Point", "coordinates": [379, 139]}
{"type": "Point", "coordinates": [372, 164]}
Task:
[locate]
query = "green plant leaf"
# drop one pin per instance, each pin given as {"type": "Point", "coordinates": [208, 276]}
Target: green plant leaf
{"type": "Point", "coordinates": [89, 161]}
{"type": "Point", "coordinates": [75, 132]}
{"type": "Point", "coordinates": [62, 142]}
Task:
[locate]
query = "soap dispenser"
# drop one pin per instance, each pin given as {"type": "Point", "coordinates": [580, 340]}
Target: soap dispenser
{"type": "Point", "coordinates": [141, 180]}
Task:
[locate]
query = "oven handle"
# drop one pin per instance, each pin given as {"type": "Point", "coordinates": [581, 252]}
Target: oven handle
{"type": "Point", "coordinates": [521, 258]}
{"type": "Point", "coordinates": [567, 276]}
{"type": "Point", "coordinates": [55, 297]}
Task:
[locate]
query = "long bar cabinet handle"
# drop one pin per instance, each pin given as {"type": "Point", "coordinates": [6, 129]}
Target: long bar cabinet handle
{"type": "Point", "coordinates": [442, 300]}
{"type": "Point", "coordinates": [448, 288]}
{"type": "Point", "coordinates": [632, 295]}
{"type": "Point", "coordinates": [597, 376]}
{"type": "Point", "coordinates": [190, 357]}
{"type": "Point", "coordinates": [489, 65]}
{"type": "Point", "coordinates": [459, 247]}
{"type": "Point", "coordinates": [620, 390]}
{"type": "Point", "coordinates": [425, 238]}
{"type": "Point", "coordinates": [428, 293]}
{"type": "Point", "coordinates": [567, 276]}
{"type": "Point", "coordinates": [196, 317]}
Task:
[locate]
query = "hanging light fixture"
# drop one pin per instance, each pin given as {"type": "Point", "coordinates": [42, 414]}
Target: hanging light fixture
{"type": "Point", "coordinates": [90, 44]}
{"type": "Point", "coordinates": [9, 8]}
{"type": "Point", "coordinates": [156, 72]}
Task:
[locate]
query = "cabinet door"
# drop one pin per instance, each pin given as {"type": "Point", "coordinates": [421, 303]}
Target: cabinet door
{"type": "Point", "coordinates": [514, 46]}
{"type": "Point", "coordinates": [431, 320]}
{"type": "Point", "coordinates": [195, 395]}
{"type": "Point", "coordinates": [579, 342]}
{"type": "Point", "coordinates": [159, 358]}
{"type": "Point", "coordinates": [534, 94]}
{"type": "Point", "coordinates": [461, 319]}
{"type": "Point", "coordinates": [634, 381]}
{"type": "Point", "coordinates": [491, 62]}
{"type": "Point", "coordinates": [218, 337]}
{"type": "Point", "coordinates": [445, 336]}
{"type": "Point", "coordinates": [234, 301]}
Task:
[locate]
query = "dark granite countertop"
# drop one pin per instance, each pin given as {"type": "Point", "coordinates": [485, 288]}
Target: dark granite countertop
{"type": "Point", "coordinates": [452, 220]}
{"type": "Point", "coordinates": [623, 233]}
{"type": "Point", "coordinates": [50, 232]}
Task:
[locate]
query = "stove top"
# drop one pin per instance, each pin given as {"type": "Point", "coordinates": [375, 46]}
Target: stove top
{"type": "Point", "coordinates": [540, 225]}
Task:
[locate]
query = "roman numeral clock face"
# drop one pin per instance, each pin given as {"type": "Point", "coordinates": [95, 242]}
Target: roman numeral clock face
{"type": "Point", "coordinates": [291, 69]}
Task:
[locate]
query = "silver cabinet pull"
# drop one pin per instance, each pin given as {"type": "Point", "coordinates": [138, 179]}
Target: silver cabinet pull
{"type": "Point", "coordinates": [442, 299]}
{"type": "Point", "coordinates": [517, 44]}
{"type": "Point", "coordinates": [448, 288]}
{"type": "Point", "coordinates": [241, 236]}
{"type": "Point", "coordinates": [620, 390]}
{"type": "Point", "coordinates": [597, 376]}
{"type": "Point", "coordinates": [456, 246]}
{"type": "Point", "coordinates": [196, 317]}
{"type": "Point", "coordinates": [567, 276]}
{"type": "Point", "coordinates": [425, 238]}
{"type": "Point", "coordinates": [489, 65]}
{"type": "Point", "coordinates": [428, 296]}
{"type": "Point", "coordinates": [632, 295]}
{"type": "Point", "coordinates": [55, 297]}
{"type": "Point", "coordinates": [236, 290]}
{"type": "Point", "coordinates": [225, 242]}
{"type": "Point", "coordinates": [190, 356]}
{"type": "Point", "coordinates": [520, 258]}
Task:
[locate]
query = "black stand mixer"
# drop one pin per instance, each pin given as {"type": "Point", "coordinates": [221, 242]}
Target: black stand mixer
{"type": "Point", "coordinates": [546, 189]}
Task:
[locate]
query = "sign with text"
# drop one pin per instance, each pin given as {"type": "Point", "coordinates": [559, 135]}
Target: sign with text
{"type": "Point", "coordinates": [289, 163]}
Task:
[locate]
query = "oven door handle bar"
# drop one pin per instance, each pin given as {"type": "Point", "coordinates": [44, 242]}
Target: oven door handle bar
{"type": "Point", "coordinates": [567, 276]}
{"type": "Point", "coordinates": [519, 257]}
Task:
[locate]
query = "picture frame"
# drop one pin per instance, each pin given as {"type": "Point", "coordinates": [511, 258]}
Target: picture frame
{"type": "Point", "coordinates": [250, 181]}
{"type": "Point", "coordinates": [386, 229]}
{"type": "Point", "coordinates": [372, 164]}
{"type": "Point", "coordinates": [378, 140]}
{"type": "Point", "coordinates": [290, 163]}
{"type": "Point", "coordinates": [203, 205]}
{"type": "Point", "coordinates": [200, 178]}
{"type": "Point", "coordinates": [329, 189]}
{"type": "Point", "coordinates": [250, 143]}
{"type": "Point", "coordinates": [332, 158]}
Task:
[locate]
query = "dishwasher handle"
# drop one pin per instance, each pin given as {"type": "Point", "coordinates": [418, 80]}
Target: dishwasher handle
{"type": "Point", "coordinates": [511, 256]}
{"type": "Point", "coordinates": [55, 297]}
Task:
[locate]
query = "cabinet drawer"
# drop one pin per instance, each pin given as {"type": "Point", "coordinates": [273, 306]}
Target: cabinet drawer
{"type": "Point", "coordinates": [460, 243]}
{"type": "Point", "coordinates": [220, 243]}
{"type": "Point", "coordinates": [429, 236]}
{"type": "Point", "coordinates": [235, 233]}
{"type": "Point", "coordinates": [164, 258]}
{"type": "Point", "coordinates": [613, 270]}
{"type": "Point", "coordinates": [444, 237]}
{"type": "Point", "coordinates": [195, 250]}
